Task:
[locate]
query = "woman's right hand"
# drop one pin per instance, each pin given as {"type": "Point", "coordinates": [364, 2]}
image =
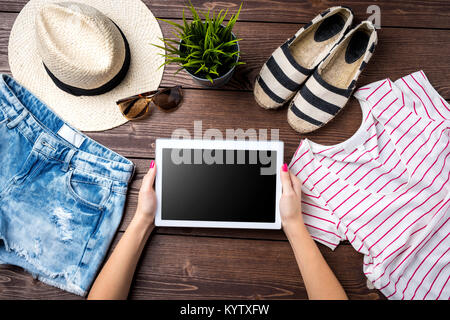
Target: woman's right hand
{"type": "Point", "coordinates": [290, 203]}
{"type": "Point", "coordinates": [319, 280]}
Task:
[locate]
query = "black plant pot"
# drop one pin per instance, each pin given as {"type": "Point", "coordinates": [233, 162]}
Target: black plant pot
{"type": "Point", "coordinates": [217, 82]}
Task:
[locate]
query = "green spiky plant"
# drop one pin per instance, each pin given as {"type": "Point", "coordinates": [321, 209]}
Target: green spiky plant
{"type": "Point", "coordinates": [206, 48]}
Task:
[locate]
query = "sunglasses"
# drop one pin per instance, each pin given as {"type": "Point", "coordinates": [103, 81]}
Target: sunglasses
{"type": "Point", "coordinates": [138, 106]}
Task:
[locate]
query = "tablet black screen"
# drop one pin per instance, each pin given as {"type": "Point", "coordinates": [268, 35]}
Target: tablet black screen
{"type": "Point", "coordinates": [219, 185]}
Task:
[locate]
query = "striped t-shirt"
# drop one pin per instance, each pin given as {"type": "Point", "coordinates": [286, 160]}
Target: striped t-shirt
{"type": "Point", "coordinates": [386, 189]}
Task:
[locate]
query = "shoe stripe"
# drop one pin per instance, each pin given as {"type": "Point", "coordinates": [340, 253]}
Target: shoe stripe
{"type": "Point", "coordinates": [362, 66]}
{"type": "Point", "coordinates": [287, 68]}
{"type": "Point", "coordinates": [319, 103]}
{"type": "Point", "coordinates": [343, 92]}
{"type": "Point", "coordinates": [323, 14]}
{"type": "Point", "coordinates": [350, 9]}
{"type": "Point", "coordinates": [282, 78]}
{"type": "Point", "coordinates": [291, 40]}
{"type": "Point", "coordinates": [327, 95]}
{"type": "Point", "coordinates": [311, 110]}
{"type": "Point", "coordinates": [269, 92]}
{"type": "Point", "coordinates": [262, 98]}
{"type": "Point", "coordinates": [273, 83]}
{"type": "Point", "coordinates": [305, 117]}
{"type": "Point", "coordinates": [309, 24]}
{"type": "Point", "coordinates": [290, 58]}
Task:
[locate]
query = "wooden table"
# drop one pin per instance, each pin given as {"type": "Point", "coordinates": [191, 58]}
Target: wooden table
{"type": "Point", "coordinates": [185, 263]}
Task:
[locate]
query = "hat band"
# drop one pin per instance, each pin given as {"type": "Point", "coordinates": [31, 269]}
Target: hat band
{"type": "Point", "coordinates": [104, 88]}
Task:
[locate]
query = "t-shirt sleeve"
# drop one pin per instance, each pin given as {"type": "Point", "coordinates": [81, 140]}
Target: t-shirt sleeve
{"type": "Point", "coordinates": [320, 221]}
{"type": "Point", "coordinates": [421, 97]}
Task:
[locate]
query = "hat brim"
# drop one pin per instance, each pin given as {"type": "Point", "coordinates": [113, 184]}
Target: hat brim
{"type": "Point", "coordinates": [90, 113]}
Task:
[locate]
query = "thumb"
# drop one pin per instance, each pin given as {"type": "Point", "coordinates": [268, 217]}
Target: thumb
{"type": "Point", "coordinates": [149, 178]}
{"type": "Point", "coordinates": [296, 184]}
{"type": "Point", "coordinates": [286, 179]}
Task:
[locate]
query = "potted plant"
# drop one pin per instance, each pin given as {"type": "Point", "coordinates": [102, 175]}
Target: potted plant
{"type": "Point", "coordinates": [207, 49]}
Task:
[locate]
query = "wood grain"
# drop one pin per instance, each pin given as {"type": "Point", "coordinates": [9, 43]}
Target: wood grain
{"type": "Point", "coordinates": [411, 13]}
{"type": "Point", "coordinates": [197, 263]}
{"type": "Point", "coordinates": [211, 268]}
{"type": "Point", "coordinates": [16, 284]}
{"type": "Point", "coordinates": [393, 57]}
{"type": "Point", "coordinates": [186, 267]}
{"type": "Point", "coordinates": [222, 110]}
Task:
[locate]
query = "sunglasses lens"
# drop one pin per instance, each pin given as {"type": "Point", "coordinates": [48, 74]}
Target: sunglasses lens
{"type": "Point", "coordinates": [169, 98]}
{"type": "Point", "coordinates": [135, 108]}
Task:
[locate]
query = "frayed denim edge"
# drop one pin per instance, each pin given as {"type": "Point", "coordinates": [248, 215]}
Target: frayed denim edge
{"type": "Point", "coordinates": [69, 287]}
{"type": "Point", "coordinates": [47, 277]}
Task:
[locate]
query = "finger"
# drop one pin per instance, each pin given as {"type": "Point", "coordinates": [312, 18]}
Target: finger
{"type": "Point", "coordinates": [286, 179]}
{"type": "Point", "coordinates": [149, 178]}
{"type": "Point", "coordinates": [296, 184]}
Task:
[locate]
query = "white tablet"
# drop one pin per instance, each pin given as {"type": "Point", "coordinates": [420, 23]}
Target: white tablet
{"type": "Point", "coordinates": [218, 183]}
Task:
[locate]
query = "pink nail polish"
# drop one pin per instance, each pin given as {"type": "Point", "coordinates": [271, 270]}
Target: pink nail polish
{"type": "Point", "coordinates": [152, 164]}
{"type": "Point", "coordinates": [285, 168]}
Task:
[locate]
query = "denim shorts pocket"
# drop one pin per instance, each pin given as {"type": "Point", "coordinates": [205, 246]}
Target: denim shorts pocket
{"type": "Point", "coordinates": [87, 189]}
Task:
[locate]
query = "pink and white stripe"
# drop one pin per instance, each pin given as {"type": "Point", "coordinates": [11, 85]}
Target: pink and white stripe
{"type": "Point", "coordinates": [387, 189]}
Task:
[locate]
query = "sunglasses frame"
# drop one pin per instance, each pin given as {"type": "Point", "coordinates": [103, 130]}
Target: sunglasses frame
{"type": "Point", "coordinates": [149, 96]}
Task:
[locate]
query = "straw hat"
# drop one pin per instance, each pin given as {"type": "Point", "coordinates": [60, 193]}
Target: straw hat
{"type": "Point", "coordinates": [80, 57]}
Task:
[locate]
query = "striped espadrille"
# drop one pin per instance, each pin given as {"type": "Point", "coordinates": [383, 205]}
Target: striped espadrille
{"type": "Point", "coordinates": [291, 63]}
{"type": "Point", "coordinates": [327, 91]}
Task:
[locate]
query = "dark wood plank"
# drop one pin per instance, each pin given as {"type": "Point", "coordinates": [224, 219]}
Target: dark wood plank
{"type": "Point", "coordinates": [394, 55]}
{"type": "Point", "coordinates": [412, 13]}
{"type": "Point", "coordinates": [16, 284]}
{"type": "Point", "coordinates": [180, 267]}
{"type": "Point", "coordinates": [177, 267]}
{"type": "Point", "coordinates": [6, 23]}
{"type": "Point", "coordinates": [222, 110]}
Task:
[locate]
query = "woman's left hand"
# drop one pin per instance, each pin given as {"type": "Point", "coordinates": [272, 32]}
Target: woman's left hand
{"type": "Point", "coordinates": [146, 207]}
{"type": "Point", "coordinates": [114, 280]}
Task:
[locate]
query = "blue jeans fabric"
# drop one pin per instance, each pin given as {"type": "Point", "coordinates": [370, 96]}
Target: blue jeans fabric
{"type": "Point", "coordinates": [61, 194]}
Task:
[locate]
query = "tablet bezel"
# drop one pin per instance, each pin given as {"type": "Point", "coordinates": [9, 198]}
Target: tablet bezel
{"type": "Point", "coordinates": [277, 146]}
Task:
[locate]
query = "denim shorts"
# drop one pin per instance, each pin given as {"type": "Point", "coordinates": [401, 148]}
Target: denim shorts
{"type": "Point", "coordinates": [62, 194]}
